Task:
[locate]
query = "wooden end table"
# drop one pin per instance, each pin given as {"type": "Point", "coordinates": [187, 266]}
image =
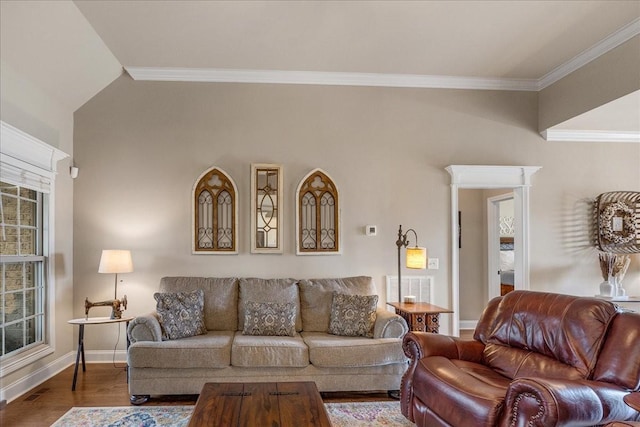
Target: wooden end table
{"type": "Point", "coordinates": [285, 404]}
{"type": "Point", "coordinates": [81, 322]}
{"type": "Point", "coordinates": [420, 316]}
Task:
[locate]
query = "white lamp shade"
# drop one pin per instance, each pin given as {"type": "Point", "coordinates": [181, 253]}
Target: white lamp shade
{"type": "Point", "coordinates": [115, 261]}
{"type": "Point", "coordinates": [417, 258]}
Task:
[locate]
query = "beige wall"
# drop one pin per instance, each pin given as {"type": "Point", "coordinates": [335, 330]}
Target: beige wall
{"type": "Point", "coordinates": [141, 145]}
{"type": "Point", "coordinates": [609, 77]}
{"type": "Point", "coordinates": [26, 107]}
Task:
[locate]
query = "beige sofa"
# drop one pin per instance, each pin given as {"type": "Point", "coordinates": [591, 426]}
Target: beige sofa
{"type": "Point", "coordinates": [225, 354]}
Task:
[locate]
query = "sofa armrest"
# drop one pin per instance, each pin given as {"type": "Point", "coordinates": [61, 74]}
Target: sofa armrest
{"type": "Point", "coordinates": [145, 328]}
{"type": "Point", "coordinates": [389, 325]}
{"type": "Point", "coordinates": [550, 402]}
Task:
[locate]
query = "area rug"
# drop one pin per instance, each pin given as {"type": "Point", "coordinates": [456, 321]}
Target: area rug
{"type": "Point", "coordinates": [356, 414]}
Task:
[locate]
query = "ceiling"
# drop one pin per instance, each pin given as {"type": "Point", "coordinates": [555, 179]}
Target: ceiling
{"type": "Point", "coordinates": [508, 40]}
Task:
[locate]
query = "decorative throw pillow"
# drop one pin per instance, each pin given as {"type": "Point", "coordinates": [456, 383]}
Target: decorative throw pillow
{"type": "Point", "coordinates": [353, 315]}
{"type": "Point", "coordinates": [181, 314]}
{"type": "Point", "coordinates": [269, 318]}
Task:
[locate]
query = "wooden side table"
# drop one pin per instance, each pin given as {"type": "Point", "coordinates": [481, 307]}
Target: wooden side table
{"type": "Point", "coordinates": [420, 316]}
{"type": "Point", "coordinates": [81, 322]}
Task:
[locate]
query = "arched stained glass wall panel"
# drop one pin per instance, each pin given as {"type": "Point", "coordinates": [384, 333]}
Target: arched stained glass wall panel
{"type": "Point", "coordinates": [317, 221]}
{"type": "Point", "coordinates": [215, 226]}
{"type": "Point", "coordinates": [266, 208]}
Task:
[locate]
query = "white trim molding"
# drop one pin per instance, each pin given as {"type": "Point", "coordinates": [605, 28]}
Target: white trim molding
{"type": "Point", "coordinates": [212, 75]}
{"type": "Point", "coordinates": [34, 379]}
{"type": "Point", "coordinates": [27, 160]}
{"type": "Point", "coordinates": [220, 75]}
{"type": "Point", "coordinates": [483, 176]}
{"type": "Point", "coordinates": [610, 42]}
{"type": "Point", "coordinates": [568, 135]}
{"type": "Point", "coordinates": [468, 325]}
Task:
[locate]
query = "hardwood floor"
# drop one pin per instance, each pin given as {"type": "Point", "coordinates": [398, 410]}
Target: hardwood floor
{"type": "Point", "coordinates": [104, 384]}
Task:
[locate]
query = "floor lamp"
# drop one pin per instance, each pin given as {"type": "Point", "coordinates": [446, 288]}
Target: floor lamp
{"type": "Point", "coordinates": [416, 256]}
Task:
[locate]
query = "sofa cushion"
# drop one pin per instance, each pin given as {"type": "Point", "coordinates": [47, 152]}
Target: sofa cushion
{"type": "Point", "coordinates": [263, 352]}
{"type": "Point", "coordinates": [268, 290]}
{"type": "Point", "coordinates": [269, 318]}
{"type": "Point", "coordinates": [220, 298]}
{"type": "Point", "coordinates": [316, 297]}
{"type": "Point", "coordinates": [554, 335]}
{"type": "Point", "coordinates": [331, 351]}
{"type": "Point", "coordinates": [212, 350]}
{"type": "Point", "coordinates": [353, 315]}
{"type": "Point", "coordinates": [180, 314]}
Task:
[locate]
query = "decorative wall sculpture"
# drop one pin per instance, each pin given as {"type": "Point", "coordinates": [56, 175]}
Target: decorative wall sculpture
{"type": "Point", "coordinates": [266, 208]}
{"type": "Point", "coordinates": [617, 218]}
{"type": "Point", "coordinates": [317, 215]}
{"type": "Point", "coordinates": [215, 213]}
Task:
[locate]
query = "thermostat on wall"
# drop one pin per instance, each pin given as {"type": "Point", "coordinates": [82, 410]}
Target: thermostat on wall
{"type": "Point", "coordinates": [371, 230]}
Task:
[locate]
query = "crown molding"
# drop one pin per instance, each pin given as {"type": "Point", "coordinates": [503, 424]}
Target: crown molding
{"type": "Point", "coordinates": [568, 135]}
{"type": "Point", "coordinates": [220, 75]}
{"type": "Point", "coordinates": [328, 78]}
{"type": "Point", "coordinates": [610, 42]}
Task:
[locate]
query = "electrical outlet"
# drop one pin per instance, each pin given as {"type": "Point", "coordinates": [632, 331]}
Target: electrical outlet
{"type": "Point", "coordinates": [370, 230]}
{"type": "Point", "coordinates": [434, 264]}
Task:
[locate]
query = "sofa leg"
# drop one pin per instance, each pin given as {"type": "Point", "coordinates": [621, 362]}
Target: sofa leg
{"type": "Point", "coordinates": [394, 394]}
{"type": "Point", "coordinates": [138, 399]}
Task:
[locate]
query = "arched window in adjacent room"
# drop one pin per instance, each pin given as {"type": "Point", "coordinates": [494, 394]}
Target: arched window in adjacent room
{"type": "Point", "coordinates": [317, 215]}
{"type": "Point", "coordinates": [215, 213]}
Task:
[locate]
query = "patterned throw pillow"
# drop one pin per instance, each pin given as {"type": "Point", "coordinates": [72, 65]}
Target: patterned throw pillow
{"type": "Point", "coordinates": [269, 318]}
{"type": "Point", "coordinates": [353, 315]}
{"type": "Point", "coordinates": [181, 314]}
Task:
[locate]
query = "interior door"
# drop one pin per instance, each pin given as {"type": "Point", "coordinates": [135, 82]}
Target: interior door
{"type": "Point", "coordinates": [501, 250]}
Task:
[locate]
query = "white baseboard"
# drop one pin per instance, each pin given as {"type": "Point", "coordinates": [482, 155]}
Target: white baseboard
{"type": "Point", "coordinates": [34, 379]}
{"type": "Point", "coordinates": [468, 324]}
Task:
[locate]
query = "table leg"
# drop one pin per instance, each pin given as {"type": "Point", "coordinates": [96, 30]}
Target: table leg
{"type": "Point", "coordinates": [78, 354]}
{"type": "Point", "coordinates": [433, 322]}
{"type": "Point", "coordinates": [126, 330]}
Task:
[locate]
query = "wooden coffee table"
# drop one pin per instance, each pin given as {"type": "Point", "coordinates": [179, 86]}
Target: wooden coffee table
{"type": "Point", "coordinates": [260, 404]}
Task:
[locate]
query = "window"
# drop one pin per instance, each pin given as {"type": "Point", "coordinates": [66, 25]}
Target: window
{"type": "Point", "coordinates": [317, 215]}
{"type": "Point", "coordinates": [27, 173]}
{"type": "Point", "coordinates": [22, 291]}
{"type": "Point", "coordinates": [215, 213]}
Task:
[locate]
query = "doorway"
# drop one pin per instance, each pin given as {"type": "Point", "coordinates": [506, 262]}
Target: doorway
{"type": "Point", "coordinates": [517, 178]}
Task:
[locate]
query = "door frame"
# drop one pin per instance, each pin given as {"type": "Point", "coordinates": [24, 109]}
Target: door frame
{"type": "Point", "coordinates": [488, 177]}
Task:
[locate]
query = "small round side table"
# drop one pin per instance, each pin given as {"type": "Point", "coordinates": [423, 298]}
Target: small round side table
{"type": "Point", "coordinates": [81, 322]}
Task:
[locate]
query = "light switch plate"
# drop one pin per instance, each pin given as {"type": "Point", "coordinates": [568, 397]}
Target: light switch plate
{"type": "Point", "coordinates": [370, 230]}
{"type": "Point", "coordinates": [434, 264]}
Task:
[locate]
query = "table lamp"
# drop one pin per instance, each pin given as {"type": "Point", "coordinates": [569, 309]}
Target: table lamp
{"type": "Point", "coordinates": [113, 261]}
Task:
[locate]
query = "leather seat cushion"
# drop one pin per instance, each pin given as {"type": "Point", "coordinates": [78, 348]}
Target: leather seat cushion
{"type": "Point", "coordinates": [474, 392]}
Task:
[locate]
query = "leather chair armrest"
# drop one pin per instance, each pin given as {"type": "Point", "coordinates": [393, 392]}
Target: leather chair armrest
{"type": "Point", "coordinates": [389, 325]}
{"type": "Point", "coordinates": [145, 328]}
{"type": "Point", "coordinates": [418, 345]}
{"type": "Point", "coordinates": [550, 402]}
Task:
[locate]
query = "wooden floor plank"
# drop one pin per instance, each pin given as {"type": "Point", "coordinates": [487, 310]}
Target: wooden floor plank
{"type": "Point", "coordinates": [104, 384]}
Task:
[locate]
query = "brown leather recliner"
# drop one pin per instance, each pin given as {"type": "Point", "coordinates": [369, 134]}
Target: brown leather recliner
{"type": "Point", "coordinates": [537, 359]}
